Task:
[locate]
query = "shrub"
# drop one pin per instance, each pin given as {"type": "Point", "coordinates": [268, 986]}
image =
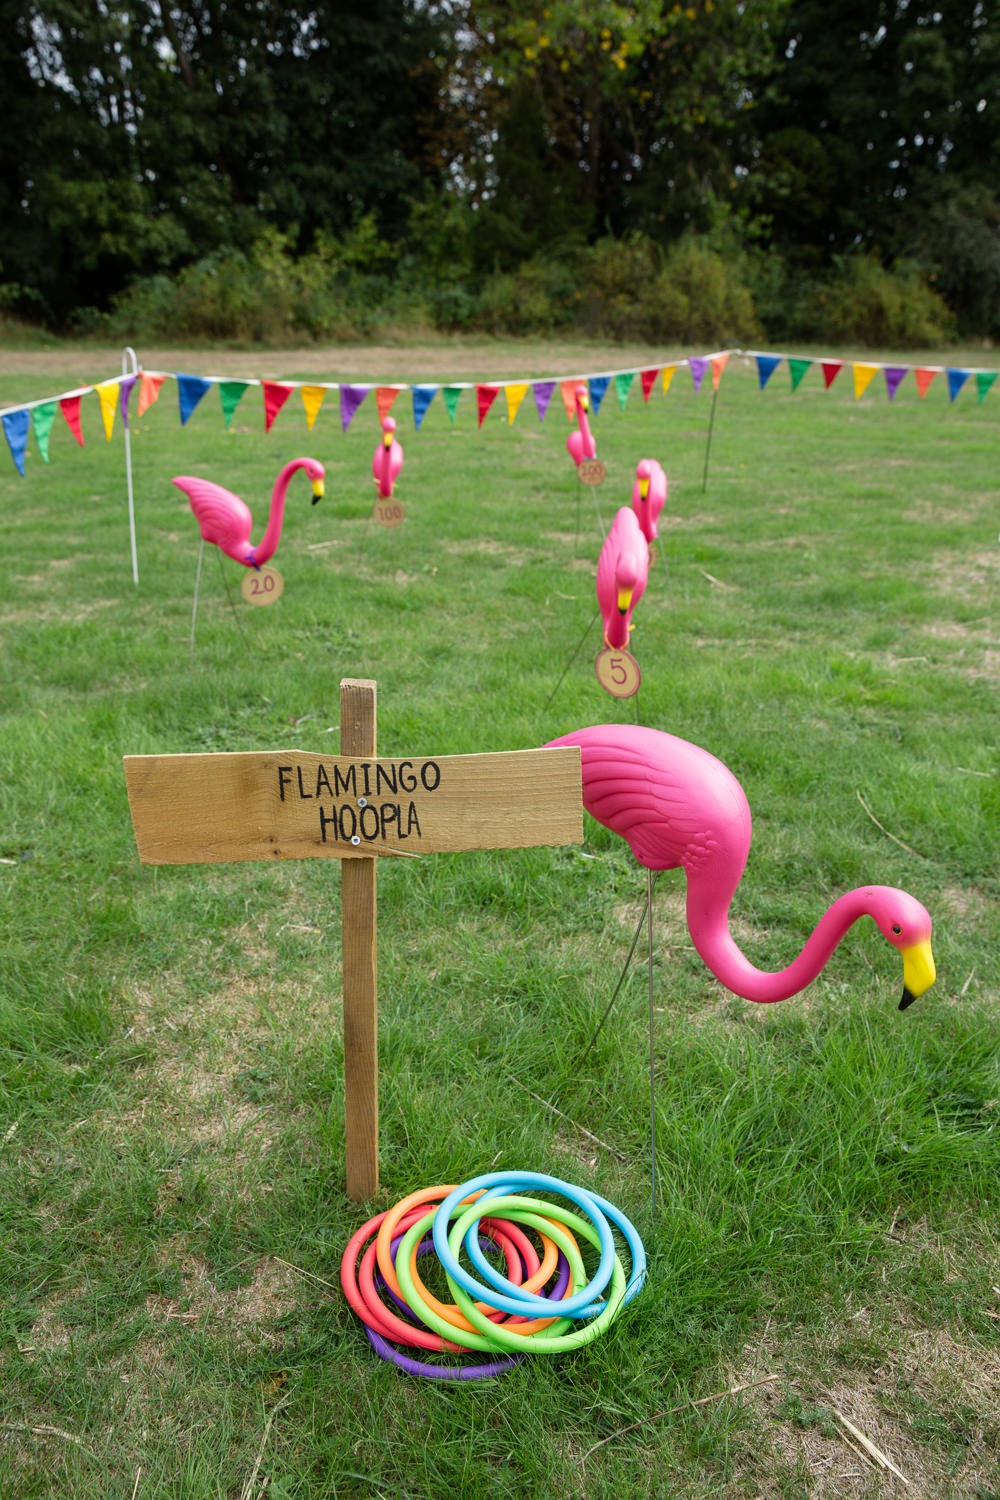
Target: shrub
{"type": "Point", "coordinates": [866, 304]}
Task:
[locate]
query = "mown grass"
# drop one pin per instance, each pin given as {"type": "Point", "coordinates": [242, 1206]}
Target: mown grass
{"type": "Point", "coordinates": [172, 1201]}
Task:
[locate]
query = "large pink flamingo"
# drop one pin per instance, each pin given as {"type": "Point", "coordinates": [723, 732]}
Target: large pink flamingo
{"type": "Point", "coordinates": [225, 519]}
{"type": "Point", "coordinates": [388, 459]}
{"type": "Point", "coordinates": [677, 806]}
{"type": "Point", "coordinates": [622, 571]}
{"type": "Point", "coordinates": [649, 495]}
{"type": "Point", "coordinates": [580, 442]}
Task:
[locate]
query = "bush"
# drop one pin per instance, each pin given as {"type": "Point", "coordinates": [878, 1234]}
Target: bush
{"type": "Point", "coordinates": [865, 304]}
{"type": "Point", "coordinates": [540, 297]}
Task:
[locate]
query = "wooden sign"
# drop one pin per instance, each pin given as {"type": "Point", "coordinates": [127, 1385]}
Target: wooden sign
{"type": "Point", "coordinates": [389, 512]}
{"type": "Point", "coordinates": [592, 471]}
{"type": "Point", "coordinates": [289, 804]}
{"type": "Point", "coordinates": [618, 672]}
{"type": "Point", "coordinates": [263, 585]}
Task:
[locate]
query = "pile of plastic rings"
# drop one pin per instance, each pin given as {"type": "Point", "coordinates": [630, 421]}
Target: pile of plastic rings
{"type": "Point", "coordinates": [542, 1301]}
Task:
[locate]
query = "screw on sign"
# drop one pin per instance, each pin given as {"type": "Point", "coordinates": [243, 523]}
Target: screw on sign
{"type": "Point", "coordinates": [262, 586]}
{"type": "Point", "coordinates": [618, 673]}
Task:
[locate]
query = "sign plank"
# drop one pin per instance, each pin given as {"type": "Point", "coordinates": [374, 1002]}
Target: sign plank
{"type": "Point", "coordinates": [291, 804]}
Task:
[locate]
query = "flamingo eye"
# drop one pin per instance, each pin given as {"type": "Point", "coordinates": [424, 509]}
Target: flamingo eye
{"type": "Point", "coordinates": [896, 928]}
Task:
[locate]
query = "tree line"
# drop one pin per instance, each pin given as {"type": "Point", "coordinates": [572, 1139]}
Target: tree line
{"type": "Point", "coordinates": [508, 164]}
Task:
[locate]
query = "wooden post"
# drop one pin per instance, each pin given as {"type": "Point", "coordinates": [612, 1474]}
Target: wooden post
{"type": "Point", "coordinates": [358, 732]}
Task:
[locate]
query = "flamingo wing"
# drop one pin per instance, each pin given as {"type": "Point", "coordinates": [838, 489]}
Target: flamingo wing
{"type": "Point", "coordinates": [223, 517]}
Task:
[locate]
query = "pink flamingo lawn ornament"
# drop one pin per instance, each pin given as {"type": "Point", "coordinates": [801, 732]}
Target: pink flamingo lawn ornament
{"type": "Point", "coordinates": [580, 443]}
{"type": "Point", "coordinates": [622, 571]}
{"type": "Point", "coordinates": [649, 495]}
{"type": "Point", "coordinates": [225, 519]}
{"type": "Point", "coordinates": [387, 459]}
{"type": "Point", "coordinates": [677, 806]}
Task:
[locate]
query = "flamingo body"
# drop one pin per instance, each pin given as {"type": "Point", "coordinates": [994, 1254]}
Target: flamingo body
{"type": "Point", "coordinates": [677, 806]}
{"type": "Point", "coordinates": [580, 443]}
{"type": "Point", "coordinates": [387, 459]}
{"type": "Point", "coordinates": [622, 571]}
{"type": "Point", "coordinates": [225, 520]}
{"type": "Point", "coordinates": [649, 495]}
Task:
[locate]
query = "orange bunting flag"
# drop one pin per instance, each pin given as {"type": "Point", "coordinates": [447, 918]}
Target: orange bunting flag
{"type": "Point", "coordinates": [107, 394]}
{"type": "Point", "coordinates": [385, 395]}
{"type": "Point", "coordinates": [923, 377]}
{"type": "Point", "coordinates": [568, 389]}
{"type": "Point", "coordinates": [515, 394]}
{"type": "Point", "coordinates": [668, 375]}
{"type": "Point", "coordinates": [312, 399]}
{"type": "Point", "coordinates": [485, 396]}
{"type": "Point", "coordinates": [149, 389]}
{"type": "Point", "coordinates": [275, 396]}
{"type": "Point", "coordinates": [863, 376]}
{"type": "Point", "coordinates": [719, 363]}
{"type": "Point", "coordinates": [70, 408]}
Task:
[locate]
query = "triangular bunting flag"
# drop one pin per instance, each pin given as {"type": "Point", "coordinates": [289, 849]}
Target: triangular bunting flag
{"type": "Point", "coordinates": [423, 395]}
{"type": "Point", "coordinates": [568, 390]}
{"type": "Point", "coordinates": [514, 395]}
{"type": "Point", "coordinates": [149, 389]}
{"type": "Point", "coordinates": [985, 381]}
{"type": "Point", "coordinates": [697, 368]}
{"type": "Point", "coordinates": [190, 390]}
{"type": "Point", "coordinates": [923, 377]}
{"type": "Point", "coordinates": [451, 394]}
{"type": "Point", "coordinates": [648, 378]}
{"type": "Point", "coordinates": [766, 366]}
{"type": "Point", "coordinates": [351, 397]}
{"type": "Point", "coordinates": [893, 377]}
{"type": "Point", "coordinates": [15, 430]}
{"type": "Point", "coordinates": [42, 418]}
{"type": "Point", "coordinates": [863, 376]}
{"type": "Point", "coordinates": [542, 390]}
{"type": "Point", "coordinates": [797, 369]}
{"type": "Point", "coordinates": [276, 393]}
{"type": "Point", "coordinates": [313, 397]}
{"type": "Point", "coordinates": [956, 380]}
{"type": "Point", "coordinates": [485, 397]}
{"type": "Point", "coordinates": [385, 395]}
{"type": "Point", "coordinates": [70, 408]}
{"type": "Point", "coordinates": [668, 375]}
{"type": "Point", "coordinates": [107, 394]}
{"type": "Point", "coordinates": [623, 384]}
{"type": "Point", "coordinates": [231, 394]}
{"type": "Point", "coordinates": [598, 385]}
{"type": "Point", "coordinates": [831, 369]}
{"type": "Point", "coordinates": [128, 381]}
{"type": "Point", "coordinates": [719, 363]}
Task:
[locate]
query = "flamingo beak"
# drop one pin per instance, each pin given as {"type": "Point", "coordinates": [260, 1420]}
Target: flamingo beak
{"type": "Point", "coordinates": [624, 601]}
{"type": "Point", "coordinates": [318, 490]}
{"type": "Point", "coordinates": [387, 439]}
{"type": "Point", "coordinates": [919, 971]}
{"type": "Point", "coordinates": [643, 489]}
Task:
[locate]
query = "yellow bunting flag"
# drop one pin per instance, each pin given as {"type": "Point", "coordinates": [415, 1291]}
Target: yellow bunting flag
{"type": "Point", "coordinates": [312, 400]}
{"type": "Point", "coordinates": [668, 375]}
{"type": "Point", "coordinates": [107, 394]}
{"type": "Point", "coordinates": [515, 394]}
{"type": "Point", "coordinates": [863, 377]}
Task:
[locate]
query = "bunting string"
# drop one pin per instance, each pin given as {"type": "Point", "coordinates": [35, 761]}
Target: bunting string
{"type": "Point", "coordinates": [37, 418]}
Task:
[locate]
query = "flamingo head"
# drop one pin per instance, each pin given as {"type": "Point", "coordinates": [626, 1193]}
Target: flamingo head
{"type": "Point", "coordinates": [642, 475]}
{"type": "Point", "coordinates": [388, 431]}
{"type": "Point", "coordinates": [317, 474]}
{"type": "Point", "coordinates": [906, 924]}
{"type": "Point", "coordinates": [626, 578]}
{"type": "Point", "coordinates": [583, 398]}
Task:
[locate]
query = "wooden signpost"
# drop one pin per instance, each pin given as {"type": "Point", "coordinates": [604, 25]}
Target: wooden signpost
{"type": "Point", "coordinates": [271, 805]}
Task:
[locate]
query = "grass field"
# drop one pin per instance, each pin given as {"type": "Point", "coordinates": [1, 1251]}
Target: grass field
{"type": "Point", "coordinates": [172, 1205]}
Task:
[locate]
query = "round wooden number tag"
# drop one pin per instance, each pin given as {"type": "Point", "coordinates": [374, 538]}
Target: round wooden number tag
{"type": "Point", "coordinates": [618, 673]}
{"type": "Point", "coordinates": [389, 512]}
{"type": "Point", "coordinates": [262, 585]}
{"type": "Point", "coordinates": [592, 471]}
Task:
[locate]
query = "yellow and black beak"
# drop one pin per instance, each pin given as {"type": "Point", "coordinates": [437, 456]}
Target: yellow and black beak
{"type": "Point", "coordinates": [318, 490]}
{"type": "Point", "coordinates": [624, 601]}
{"type": "Point", "coordinates": [919, 971]}
{"type": "Point", "coordinates": [387, 439]}
{"type": "Point", "coordinates": [643, 489]}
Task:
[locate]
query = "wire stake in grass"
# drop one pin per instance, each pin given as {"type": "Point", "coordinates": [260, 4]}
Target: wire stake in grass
{"type": "Point", "coordinates": [673, 1411]}
{"type": "Point", "coordinates": [885, 830]}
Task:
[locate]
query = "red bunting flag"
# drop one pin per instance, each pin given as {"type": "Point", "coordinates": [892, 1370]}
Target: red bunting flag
{"type": "Point", "coordinates": [70, 408]}
{"type": "Point", "coordinates": [485, 397]}
{"type": "Point", "coordinates": [275, 396]}
{"type": "Point", "coordinates": [648, 378]}
{"type": "Point", "coordinates": [831, 369]}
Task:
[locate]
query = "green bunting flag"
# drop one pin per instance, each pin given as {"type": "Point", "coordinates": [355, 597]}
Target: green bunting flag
{"type": "Point", "coordinates": [41, 421]}
{"type": "Point", "coordinates": [230, 394]}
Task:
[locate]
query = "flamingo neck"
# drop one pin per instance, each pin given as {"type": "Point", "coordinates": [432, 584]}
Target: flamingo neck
{"type": "Point", "coordinates": [709, 927]}
{"type": "Point", "coordinates": [268, 543]}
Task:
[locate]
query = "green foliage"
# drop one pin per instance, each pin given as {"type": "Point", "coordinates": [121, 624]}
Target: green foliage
{"type": "Point", "coordinates": [866, 304]}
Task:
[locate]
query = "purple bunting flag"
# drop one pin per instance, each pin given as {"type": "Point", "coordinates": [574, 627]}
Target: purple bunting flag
{"type": "Point", "coordinates": [893, 376]}
{"type": "Point", "coordinates": [542, 391]}
{"type": "Point", "coordinates": [125, 391]}
{"type": "Point", "coordinates": [697, 368]}
{"type": "Point", "coordinates": [351, 397]}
